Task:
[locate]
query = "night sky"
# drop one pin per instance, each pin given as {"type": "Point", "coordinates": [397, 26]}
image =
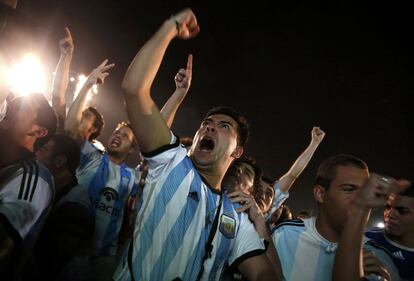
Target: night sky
{"type": "Point", "coordinates": [287, 65]}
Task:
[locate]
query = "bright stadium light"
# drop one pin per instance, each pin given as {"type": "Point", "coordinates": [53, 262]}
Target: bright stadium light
{"type": "Point", "coordinates": [81, 81]}
{"type": "Point", "coordinates": [27, 76]}
{"type": "Point", "coordinates": [380, 225]}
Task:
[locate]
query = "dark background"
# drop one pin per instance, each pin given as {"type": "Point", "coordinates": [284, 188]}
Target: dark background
{"type": "Point", "coordinates": [287, 65]}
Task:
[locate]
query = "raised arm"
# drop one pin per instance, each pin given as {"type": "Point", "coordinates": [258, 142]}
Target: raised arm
{"type": "Point", "coordinates": [286, 181]}
{"type": "Point", "coordinates": [147, 122]}
{"type": "Point", "coordinates": [74, 117]}
{"type": "Point", "coordinates": [182, 84]}
{"type": "Point", "coordinates": [61, 77]}
{"type": "Point", "coordinates": [348, 263]}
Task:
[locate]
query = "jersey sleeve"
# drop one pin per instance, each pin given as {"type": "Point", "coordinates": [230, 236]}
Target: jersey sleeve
{"type": "Point", "coordinates": [163, 158]}
{"type": "Point", "coordinates": [280, 198]}
{"type": "Point", "coordinates": [25, 198]}
{"type": "Point", "coordinates": [247, 243]}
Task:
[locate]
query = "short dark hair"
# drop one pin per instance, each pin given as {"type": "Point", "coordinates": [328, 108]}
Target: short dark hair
{"type": "Point", "coordinates": [243, 128]}
{"type": "Point", "coordinates": [268, 180]}
{"type": "Point", "coordinates": [68, 147]}
{"type": "Point", "coordinates": [327, 169]}
{"type": "Point", "coordinates": [128, 125]}
{"type": "Point", "coordinates": [45, 114]}
{"type": "Point", "coordinates": [99, 123]}
{"type": "Point", "coordinates": [250, 161]}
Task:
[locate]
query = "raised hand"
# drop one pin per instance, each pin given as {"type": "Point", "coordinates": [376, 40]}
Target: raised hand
{"type": "Point", "coordinates": [187, 26]}
{"type": "Point", "coordinates": [376, 190]}
{"type": "Point", "coordinates": [248, 204]}
{"type": "Point", "coordinates": [66, 44]}
{"type": "Point", "coordinates": [317, 134]}
{"type": "Point", "coordinates": [98, 75]}
{"type": "Point", "coordinates": [183, 77]}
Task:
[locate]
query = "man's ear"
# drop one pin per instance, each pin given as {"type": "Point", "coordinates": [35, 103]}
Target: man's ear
{"type": "Point", "coordinates": [319, 193]}
{"type": "Point", "coordinates": [238, 152]}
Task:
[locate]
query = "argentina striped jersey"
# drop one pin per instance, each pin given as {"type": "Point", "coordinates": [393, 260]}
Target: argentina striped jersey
{"type": "Point", "coordinates": [108, 186]}
{"type": "Point", "coordinates": [26, 196]}
{"type": "Point", "coordinates": [305, 255]}
{"type": "Point", "coordinates": [174, 221]}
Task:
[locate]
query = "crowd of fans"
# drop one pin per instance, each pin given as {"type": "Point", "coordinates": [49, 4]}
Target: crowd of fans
{"type": "Point", "coordinates": [194, 208]}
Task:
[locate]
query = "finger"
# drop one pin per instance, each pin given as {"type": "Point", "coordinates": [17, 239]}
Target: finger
{"type": "Point", "coordinates": [241, 200]}
{"type": "Point", "coordinates": [189, 63]}
{"type": "Point", "coordinates": [107, 67]}
{"type": "Point", "coordinates": [182, 72]}
{"type": "Point", "coordinates": [68, 34]}
{"type": "Point", "coordinates": [103, 63]}
{"type": "Point", "coordinates": [242, 209]}
{"type": "Point", "coordinates": [193, 32]}
{"type": "Point", "coordinates": [238, 194]}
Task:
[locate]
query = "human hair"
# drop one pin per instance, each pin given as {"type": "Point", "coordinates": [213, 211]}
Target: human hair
{"type": "Point", "coordinates": [68, 147]}
{"type": "Point", "coordinates": [268, 180]}
{"type": "Point", "coordinates": [251, 162]}
{"type": "Point", "coordinates": [45, 115]}
{"type": "Point", "coordinates": [243, 126]}
{"type": "Point", "coordinates": [128, 125]}
{"type": "Point", "coordinates": [328, 168]}
{"type": "Point", "coordinates": [98, 123]}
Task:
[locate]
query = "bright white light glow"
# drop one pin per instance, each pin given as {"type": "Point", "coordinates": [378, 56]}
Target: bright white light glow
{"type": "Point", "coordinates": [72, 79]}
{"type": "Point", "coordinates": [27, 76]}
{"type": "Point", "coordinates": [81, 81]}
{"type": "Point", "coordinates": [380, 225]}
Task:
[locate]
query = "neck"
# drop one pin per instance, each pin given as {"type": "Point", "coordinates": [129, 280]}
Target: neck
{"type": "Point", "coordinates": [404, 240]}
{"type": "Point", "coordinates": [117, 158]}
{"type": "Point", "coordinates": [62, 178]}
{"type": "Point", "coordinates": [212, 174]}
{"type": "Point", "coordinates": [27, 142]}
{"type": "Point", "coordinates": [326, 230]}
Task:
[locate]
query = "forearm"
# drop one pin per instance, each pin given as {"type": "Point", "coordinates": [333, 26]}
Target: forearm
{"type": "Point", "coordinates": [170, 108]}
{"type": "Point", "coordinates": [141, 72]}
{"type": "Point", "coordinates": [287, 180]}
{"type": "Point", "coordinates": [60, 84]}
{"type": "Point", "coordinates": [348, 265]}
{"type": "Point", "coordinates": [271, 254]}
{"type": "Point", "coordinates": [75, 111]}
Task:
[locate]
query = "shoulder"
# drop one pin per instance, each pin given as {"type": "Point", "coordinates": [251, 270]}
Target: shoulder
{"type": "Point", "coordinates": [292, 225]}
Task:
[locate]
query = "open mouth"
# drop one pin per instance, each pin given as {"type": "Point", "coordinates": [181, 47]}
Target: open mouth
{"type": "Point", "coordinates": [115, 143]}
{"type": "Point", "coordinates": [206, 144]}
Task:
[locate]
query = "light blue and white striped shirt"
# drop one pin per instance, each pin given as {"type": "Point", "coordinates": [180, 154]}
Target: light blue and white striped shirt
{"type": "Point", "coordinates": [305, 255]}
{"type": "Point", "coordinates": [108, 186]}
{"type": "Point", "coordinates": [174, 221]}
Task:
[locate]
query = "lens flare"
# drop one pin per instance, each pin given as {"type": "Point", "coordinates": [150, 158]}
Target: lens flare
{"type": "Point", "coordinates": [27, 76]}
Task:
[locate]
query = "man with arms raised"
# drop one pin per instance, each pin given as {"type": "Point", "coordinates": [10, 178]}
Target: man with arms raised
{"type": "Point", "coordinates": [186, 228]}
